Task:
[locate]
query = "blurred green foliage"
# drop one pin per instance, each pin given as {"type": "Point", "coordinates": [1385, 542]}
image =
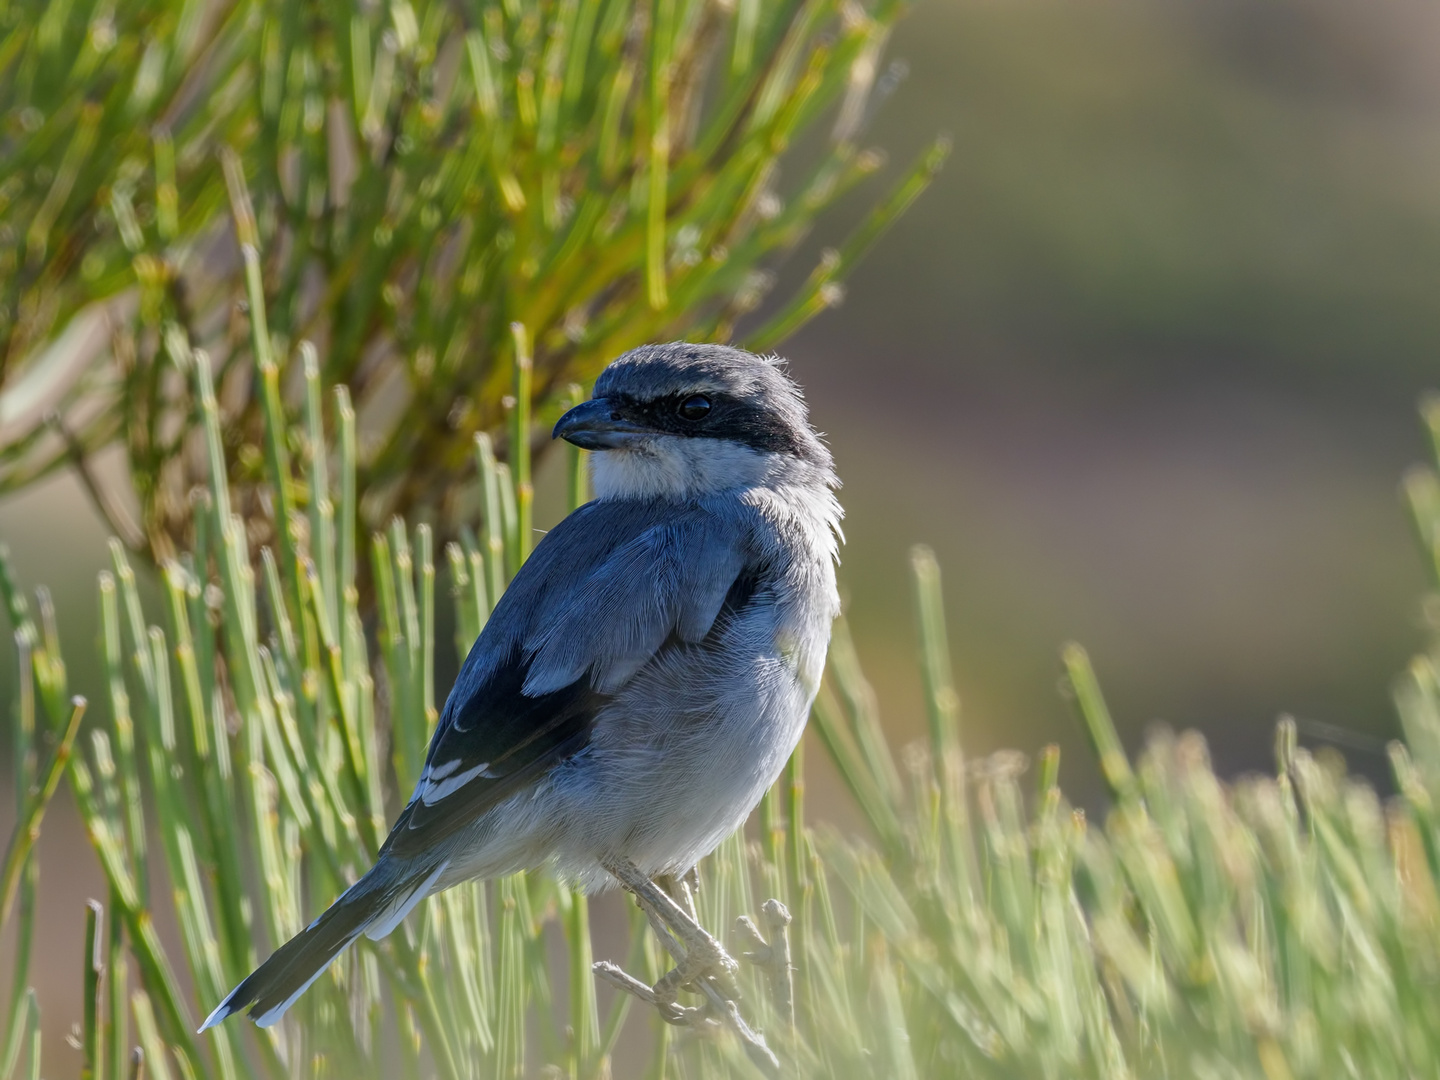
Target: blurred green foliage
{"type": "Point", "coordinates": [420, 190]}
{"type": "Point", "coordinates": [1279, 927]}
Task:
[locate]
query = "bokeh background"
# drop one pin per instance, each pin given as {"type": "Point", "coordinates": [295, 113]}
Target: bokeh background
{"type": "Point", "coordinates": [1141, 366]}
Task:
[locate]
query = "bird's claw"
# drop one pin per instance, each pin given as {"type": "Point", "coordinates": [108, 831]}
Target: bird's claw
{"type": "Point", "coordinates": [705, 958]}
{"type": "Point", "coordinates": [701, 964]}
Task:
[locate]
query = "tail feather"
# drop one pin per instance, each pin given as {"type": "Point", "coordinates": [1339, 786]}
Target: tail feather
{"type": "Point", "coordinates": [274, 985]}
{"type": "Point", "coordinates": [401, 904]}
{"type": "Point", "coordinates": [373, 906]}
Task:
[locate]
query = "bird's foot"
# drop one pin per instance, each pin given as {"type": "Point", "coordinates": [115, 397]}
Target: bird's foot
{"type": "Point", "coordinates": [704, 958]}
{"type": "Point", "coordinates": [670, 1011]}
{"type": "Point", "coordinates": [701, 964]}
{"type": "Point", "coordinates": [696, 953]}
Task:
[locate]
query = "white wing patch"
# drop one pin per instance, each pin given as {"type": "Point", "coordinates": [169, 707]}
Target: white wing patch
{"type": "Point", "coordinates": [440, 783]}
{"type": "Point", "coordinates": [439, 772]}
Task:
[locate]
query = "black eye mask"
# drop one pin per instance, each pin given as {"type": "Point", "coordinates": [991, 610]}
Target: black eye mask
{"type": "Point", "coordinates": [711, 416]}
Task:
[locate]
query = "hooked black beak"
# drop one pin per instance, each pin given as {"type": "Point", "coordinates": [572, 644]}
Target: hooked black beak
{"type": "Point", "coordinates": [595, 425]}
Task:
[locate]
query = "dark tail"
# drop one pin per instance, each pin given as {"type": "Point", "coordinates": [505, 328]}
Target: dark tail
{"type": "Point", "coordinates": [374, 906]}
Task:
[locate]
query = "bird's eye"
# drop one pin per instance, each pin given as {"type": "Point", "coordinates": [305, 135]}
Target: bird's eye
{"type": "Point", "coordinates": [694, 407]}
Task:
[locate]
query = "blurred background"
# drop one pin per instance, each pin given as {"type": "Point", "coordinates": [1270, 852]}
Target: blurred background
{"type": "Point", "coordinates": [1141, 366]}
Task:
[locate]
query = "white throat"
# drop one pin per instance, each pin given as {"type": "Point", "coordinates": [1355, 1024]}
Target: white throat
{"type": "Point", "coordinates": [680, 467]}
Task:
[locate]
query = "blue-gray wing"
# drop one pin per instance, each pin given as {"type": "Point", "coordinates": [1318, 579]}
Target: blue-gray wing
{"type": "Point", "coordinates": [601, 596]}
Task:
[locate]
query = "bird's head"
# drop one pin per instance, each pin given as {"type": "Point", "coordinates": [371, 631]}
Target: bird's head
{"type": "Point", "coordinates": [684, 420]}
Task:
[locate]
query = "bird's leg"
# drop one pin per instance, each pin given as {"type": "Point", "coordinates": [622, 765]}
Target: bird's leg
{"type": "Point", "coordinates": [699, 955]}
{"type": "Point", "coordinates": [699, 961]}
{"type": "Point", "coordinates": [690, 881]}
{"type": "Point", "coordinates": [683, 890]}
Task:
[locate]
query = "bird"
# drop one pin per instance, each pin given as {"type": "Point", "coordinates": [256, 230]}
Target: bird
{"type": "Point", "coordinates": [647, 673]}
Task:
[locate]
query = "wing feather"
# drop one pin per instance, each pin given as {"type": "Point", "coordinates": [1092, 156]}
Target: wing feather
{"type": "Point", "coordinates": [669, 580]}
{"type": "Point", "coordinates": [597, 600]}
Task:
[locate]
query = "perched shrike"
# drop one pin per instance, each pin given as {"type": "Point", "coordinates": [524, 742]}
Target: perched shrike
{"type": "Point", "coordinates": [644, 678]}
